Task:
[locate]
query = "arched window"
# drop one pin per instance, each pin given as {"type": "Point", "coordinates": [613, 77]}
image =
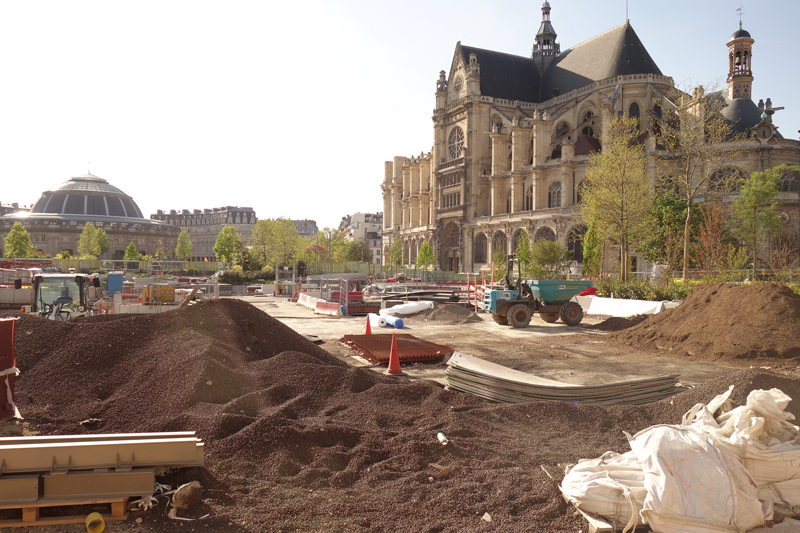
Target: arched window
{"type": "Point", "coordinates": [455, 143]}
{"type": "Point", "coordinates": [480, 248]}
{"type": "Point", "coordinates": [789, 181]}
{"type": "Point", "coordinates": [545, 234]}
{"type": "Point", "coordinates": [633, 110]}
{"type": "Point", "coordinates": [500, 243]}
{"type": "Point", "coordinates": [519, 234]}
{"type": "Point", "coordinates": [452, 236]}
{"type": "Point", "coordinates": [725, 180]}
{"type": "Point", "coordinates": [561, 130]}
{"type": "Point", "coordinates": [529, 199]}
{"type": "Point", "coordinates": [579, 193]}
{"type": "Point", "coordinates": [587, 121]}
{"type": "Point", "coordinates": [575, 242]}
{"type": "Point", "coordinates": [508, 202]}
{"type": "Point", "coordinates": [554, 195]}
{"type": "Point", "coordinates": [656, 120]}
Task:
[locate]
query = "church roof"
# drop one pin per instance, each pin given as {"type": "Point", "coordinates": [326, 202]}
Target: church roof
{"type": "Point", "coordinates": [741, 113]}
{"type": "Point", "coordinates": [615, 52]}
{"type": "Point", "coordinates": [506, 75]}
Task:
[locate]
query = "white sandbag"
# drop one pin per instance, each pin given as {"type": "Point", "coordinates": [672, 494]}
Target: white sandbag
{"type": "Point", "coordinates": [611, 486]}
{"type": "Point", "coordinates": [694, 486]}
{"type": "Point", "coordinates": [376, 321]}
{"type": "Point", "coordinates": [409, 308]}
{"type": "Point", "coordinates": [785, 496]}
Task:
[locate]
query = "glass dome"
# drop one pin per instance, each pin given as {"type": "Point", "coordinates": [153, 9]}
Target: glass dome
{"type": "Point", "coordinates": [87, 195]}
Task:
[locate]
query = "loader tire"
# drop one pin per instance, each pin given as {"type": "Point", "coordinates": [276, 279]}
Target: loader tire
{"type": "Point", "coordinates": [549, 317]}
{"type": "Point", "coordinates": [500, 319]}
{"type": "Point", "coordinates": [519, 315]}
{"type": "Point", "coordinates": [571, 313]}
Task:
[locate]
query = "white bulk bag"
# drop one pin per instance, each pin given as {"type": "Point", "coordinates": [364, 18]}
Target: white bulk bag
{"type": "Point", "coordinates": [692, 485]}
{"type": "Point", "coordinates": [611, 486]}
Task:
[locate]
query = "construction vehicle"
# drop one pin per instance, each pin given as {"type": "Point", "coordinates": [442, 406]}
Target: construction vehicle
{"type": "Point", "coordinates": [62, 296]}
{"type": "Point", "coordinates": [518, 300]}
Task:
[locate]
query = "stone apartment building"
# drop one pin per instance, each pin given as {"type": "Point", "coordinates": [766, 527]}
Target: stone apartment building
{"type": "Point", "coordinates": [512, 137]}
{"type": "Point", "coordinates": [203, 226]}
{"type": "Point", "coordinates": [365, 227]}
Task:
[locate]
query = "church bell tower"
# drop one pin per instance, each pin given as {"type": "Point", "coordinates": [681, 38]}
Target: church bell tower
{"type": "Point", "coordinates": [545, 48]}
{"type": "Point", "coordinates": [740, 55]}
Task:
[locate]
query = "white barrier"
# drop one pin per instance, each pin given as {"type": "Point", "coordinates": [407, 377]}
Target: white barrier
{"type": "Point", "coordinates": [622, 307]}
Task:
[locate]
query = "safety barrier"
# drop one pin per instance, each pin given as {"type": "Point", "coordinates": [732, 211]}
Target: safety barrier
{"type": "Point", "coordinates": [327, 308]}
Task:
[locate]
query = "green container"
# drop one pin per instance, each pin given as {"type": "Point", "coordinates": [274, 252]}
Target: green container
{"type": "Point", "coordinates": [556, 290]}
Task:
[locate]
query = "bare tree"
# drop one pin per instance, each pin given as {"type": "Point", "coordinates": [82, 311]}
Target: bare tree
{"type": "Point", "coordinates": [699, 142]}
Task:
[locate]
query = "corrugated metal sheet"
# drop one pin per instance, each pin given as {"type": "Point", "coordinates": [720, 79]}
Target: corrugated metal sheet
{"type": "Point", "coordinates": [377, 348]}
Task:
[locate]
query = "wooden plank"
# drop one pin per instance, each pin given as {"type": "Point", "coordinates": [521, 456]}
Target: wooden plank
{"type": "Point", "coordinates": [596, 523]}
{"type": "Point", "coordinates": [31, 517]}
{"type": "Point", "coordinates": [189, 296]}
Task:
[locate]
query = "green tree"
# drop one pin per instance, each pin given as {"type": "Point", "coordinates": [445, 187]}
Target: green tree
{"type": "Point", "coordinates": [275, 241]}
{"type": "Point", "coordinates": [226, 245]}
{"type": "Point", "coordinates": [396, 256]}
{"type": "Point", "coordinates": [356, 251]}
{"type": "Point", "coordinates": [755, 214]}
{"type": "Point", "coordinates": [499, 265]}
{"type": "Point", "coordinates": [130, 253]}
{"type": "Point", "coordinates": [64, 255]}
{"type": "Point", "coordinates": [184, 248]}
{"type": "Point", "coordinates": [592, 251]}
{"type": "Point", "coordinates": [700, 142]}
{"type": "Point", "coordinates": [616, 192]}
{"type": "Point", "coordinates": [549, 260]}
{"type": "Point", "coordinates": [88, 248]}
{"type": "Point", "coordinates": [102, 240]}
{"type": "Point", "coordinates": [425, 258]}
{"type": "Point", "coordinates": [664, 241]}
{"type": "Point", "coordinates": [523, 252]}
{"type": "Point", "coordinates": [17, 243]}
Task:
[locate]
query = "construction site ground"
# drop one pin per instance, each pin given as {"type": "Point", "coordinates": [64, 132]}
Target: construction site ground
{"type": "Point", "coordinates": [309, 438]}
{"type": "Point", "coordinates": [577, 355]}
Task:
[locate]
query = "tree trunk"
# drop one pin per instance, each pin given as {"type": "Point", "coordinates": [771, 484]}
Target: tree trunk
{"type": "Point", "coordinates": [687, 229]}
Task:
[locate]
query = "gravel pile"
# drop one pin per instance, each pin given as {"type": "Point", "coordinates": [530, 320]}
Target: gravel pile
{"type": "Point", "coordinates": [299, 441]}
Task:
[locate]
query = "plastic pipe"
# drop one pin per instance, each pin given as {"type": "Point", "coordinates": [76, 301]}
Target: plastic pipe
{"type": "Point", "coordinates": [394, 321]}
{"type": "Point", "coordinates": [377, 320]}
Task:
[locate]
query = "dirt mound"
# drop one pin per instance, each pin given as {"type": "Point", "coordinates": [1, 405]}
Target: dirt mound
{"type": "Point", "coordinates": [297, 440]}
{"type": "Point", "coordinates": [617, 323]}
{"type": "Point", "coordinates": [724, 322]}
{"type": "Point", "coordinates": [447, 314]}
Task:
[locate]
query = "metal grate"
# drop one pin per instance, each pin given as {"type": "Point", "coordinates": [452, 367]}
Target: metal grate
{"type": "Point", "coordinates": [377, 348]}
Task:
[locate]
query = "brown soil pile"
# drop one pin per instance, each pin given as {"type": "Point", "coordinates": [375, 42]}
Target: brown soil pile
{"type": "Point", "coordinates": [617, 323]}
{"type": "Point", "coordinates": [719, 322]}
{"type": "Point", "coordinates": [447, 314]}
{"type": "Point", "coordinates": [299, 441]}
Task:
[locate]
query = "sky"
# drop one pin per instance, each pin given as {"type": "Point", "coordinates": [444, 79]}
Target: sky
{"type": "Point", "coordinates": [291, 108]}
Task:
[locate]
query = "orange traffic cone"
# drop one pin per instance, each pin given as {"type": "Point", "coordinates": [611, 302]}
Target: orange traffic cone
{"type": "Point", "coordinates": [369, 329]}
{"type": "Point", "coordinates": [394, 359]}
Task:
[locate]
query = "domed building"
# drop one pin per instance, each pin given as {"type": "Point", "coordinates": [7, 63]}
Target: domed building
{"type": "Point", "coordinates": [57, 218]}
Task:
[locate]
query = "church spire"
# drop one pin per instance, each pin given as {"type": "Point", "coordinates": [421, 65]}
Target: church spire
{"type": "Point", "coordinates": [545, 47]}
{"type": "Point", "coordinates": [740, 73]}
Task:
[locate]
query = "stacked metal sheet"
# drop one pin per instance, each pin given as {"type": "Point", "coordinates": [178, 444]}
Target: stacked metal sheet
{"type": "Point", "coordinates": [502, 384]}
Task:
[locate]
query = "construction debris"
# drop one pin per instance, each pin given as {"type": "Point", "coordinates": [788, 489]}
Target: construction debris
{"type": "Point", "coordinates": [376, 348]}
{"type": "Point", "coordinates": [501, 384]}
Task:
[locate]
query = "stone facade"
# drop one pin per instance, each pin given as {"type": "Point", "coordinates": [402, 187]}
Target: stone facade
{"type": "Point", "coordinates": [203, 226]}
{"type": "Point", "coordinates": [512, 137]}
